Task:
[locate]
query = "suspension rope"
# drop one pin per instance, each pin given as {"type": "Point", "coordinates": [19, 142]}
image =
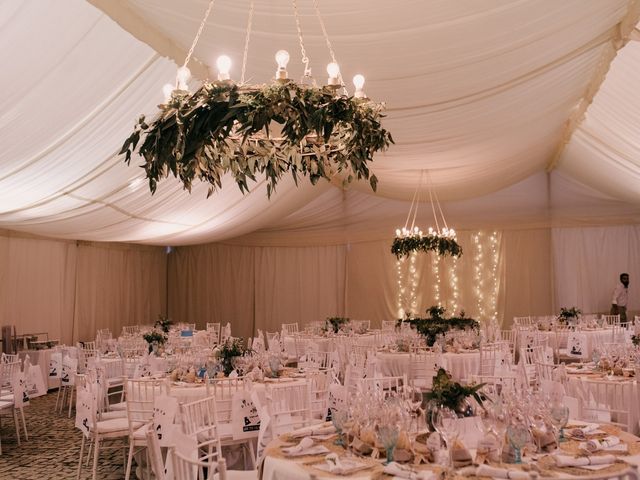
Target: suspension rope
{"type": "Point", "coordinates": [305, 59]}
{"type": "Point", "coordinates": [328, 42]}
{"type": "Point", "coordinates": [246, 42]}
{"type": "Point", "coordinates": [195, 40]}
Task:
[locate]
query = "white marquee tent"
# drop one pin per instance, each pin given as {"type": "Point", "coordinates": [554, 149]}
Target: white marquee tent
{"type": "Point", "coordinates": [524, 113]}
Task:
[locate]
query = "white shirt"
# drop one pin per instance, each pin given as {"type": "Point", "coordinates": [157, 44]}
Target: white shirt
{"type": "Point", "coordinates": [620, 296]}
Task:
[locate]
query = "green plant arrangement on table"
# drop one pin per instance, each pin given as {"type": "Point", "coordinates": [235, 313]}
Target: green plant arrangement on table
{"type": "Point", "coordinates": [243, 130]}
{"type": "Point", "coordinates": [163, 323]}
{"type": "Point", "coordinates": [445, 392]}
{"type": "Point", "coordinates": [228, 351]}
{"type": "Point", "coordinates": [436, 323]}
{"type": "Point", "coordinates": [567, 315]}
{"type": "Point", "coordinates": [335, 324]}
{"type": "Point", "coordinates": [154, 338]}
{"type": "Point", "coordinates": [635, 339]}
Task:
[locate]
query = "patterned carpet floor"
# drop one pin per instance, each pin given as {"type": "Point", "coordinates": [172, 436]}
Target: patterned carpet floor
{"type": "Point", "coordinates": [53, 447]}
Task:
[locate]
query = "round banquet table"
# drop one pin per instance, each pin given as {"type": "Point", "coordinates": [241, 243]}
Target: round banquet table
{"type": "Point", "coordinates": [278, 466]}
{"type": "Point", "coordinates": [461, 365]}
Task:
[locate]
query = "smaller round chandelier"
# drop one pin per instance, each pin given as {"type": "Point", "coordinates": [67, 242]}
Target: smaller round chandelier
{"type": "Point", "coordinates": [247, 130]}
{"type": "Point", "coordinates": [411, 239]}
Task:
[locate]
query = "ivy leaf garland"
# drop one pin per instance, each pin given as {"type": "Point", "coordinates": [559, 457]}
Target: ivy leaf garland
{"type": "Point", "coordinates": [271, 130]}
{"type": "Point", "coordinates": [403, 246]}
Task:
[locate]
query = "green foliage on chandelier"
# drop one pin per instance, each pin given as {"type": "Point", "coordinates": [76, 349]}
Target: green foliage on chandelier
{"type": "Point", "coordinates": [246, 131]}
{"type": "Point", "coordinates": [403, 246]}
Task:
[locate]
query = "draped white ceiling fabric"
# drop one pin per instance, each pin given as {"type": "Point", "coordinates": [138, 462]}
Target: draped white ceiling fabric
{"type": "Point", "coordinates": [488, 96]}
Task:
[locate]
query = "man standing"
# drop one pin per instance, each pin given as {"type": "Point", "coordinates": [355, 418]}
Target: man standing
{"type": "Point", "coordinates": [621, 298]}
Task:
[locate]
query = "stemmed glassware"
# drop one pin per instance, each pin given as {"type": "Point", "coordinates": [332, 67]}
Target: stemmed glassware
{"type": "Point", "coordinates": [559, 414]}
{"type": "Point", "coordinates": [518, 434]}
{"type": "Point", "coordinates": [339, 418]}
{"type": "Point", "coordinates": [446, 424]}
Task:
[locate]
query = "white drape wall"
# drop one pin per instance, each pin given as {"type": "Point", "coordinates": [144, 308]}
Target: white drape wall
{"type": "Point", "coordinates": [588, 262]}
{"type": "Point", "coordinates": [70, 290]}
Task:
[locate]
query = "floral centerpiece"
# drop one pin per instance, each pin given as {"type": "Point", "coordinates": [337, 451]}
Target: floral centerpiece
{"type": "Point", "coordinates": [228, 351]}
{"type": "Point", "coordinates": [635, 339]}
{"type": "Point", "coordinates": [436, 324]}
{"type": "Point", "coordinates": [154, 338]}
{"type": "Point", "coordinates": [335, 324]}
{"type": "Point", "coordinates": [568, 315]}
{"type": "Point", "coordinates": [163, 323]}
{"type": "Point", "coordinates": [445, 392]}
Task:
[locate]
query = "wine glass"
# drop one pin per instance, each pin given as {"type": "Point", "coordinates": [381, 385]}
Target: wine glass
{"type": "Point", "coordinates": [388, 433]}
{"type": "Point", "coordinates": [518, 434]}
{"type": "Point", "coordinates": [339, 418]}
{"type": "Point", "coordinates": [559, 414]}
{"type": "Point", "coordinates": [446, 424]}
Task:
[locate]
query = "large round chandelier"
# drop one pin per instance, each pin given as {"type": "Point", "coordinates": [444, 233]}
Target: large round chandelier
{"type": "Point", "coordinates": [410, 239]}
{"type": "Point", "coordinates": [247, 130]}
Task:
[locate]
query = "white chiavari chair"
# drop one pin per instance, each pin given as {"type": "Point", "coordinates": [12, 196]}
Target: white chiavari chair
{"type": "Point", "coordinates": [140, 397]}
{"type": "Point", "coordinates": [224, 390]}
{"type": "Point", "coordinates": [497, 384]}
{"type": "Point", "coordinates": [319, 382]}
{"type": "Point", "coordinates": [389, 325]}
{"type": "Point", "coordinates": [613, 402]}
{"type": "Point", "coordinates": [290, 328]}
{"type": "Point", "coordinates": [422, 368]}
{"type": "Point", "coordinates": [494, 357]}
{"type": "Point", "coordinates": [214, 332]}
{"type": "Point", "coordinates": [289, 407]}
{"type": "Point", "coordinates": [384, 386]}
{"type": "Point", "coordinates": [611, 319]}
{"type": "Point", "coordinates": [7, 402]}
{"type": "Point", "coordinates": [274, 342]}
{"type": "Point", "coordinates": [155, 454]}
{"type": "Point", "coordinates": [130, 330]}
{"type": "Point", "coordinates": [522, 321]}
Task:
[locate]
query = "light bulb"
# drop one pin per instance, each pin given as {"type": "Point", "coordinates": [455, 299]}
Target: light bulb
{"type": "Point", "coordinates": [224, 65]}
{"type": "Point", "coordinates": [358, 82]}
{"type": "Point", "coordinates": [397, 232]}
{"type": "Point", "coordinates": [184, 75]}
{"type": "Point", "coordinates": [167, 90]}
{"type": "Point", "coordinates": [282, 57]}
{"type": "Point", "coordinates": [333, 70]}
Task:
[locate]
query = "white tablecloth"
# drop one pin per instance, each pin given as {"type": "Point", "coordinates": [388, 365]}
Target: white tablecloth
{"type": "Point", "coordinates": [460, 365]}
{"type": "Point", "coordinates": [328, 344]}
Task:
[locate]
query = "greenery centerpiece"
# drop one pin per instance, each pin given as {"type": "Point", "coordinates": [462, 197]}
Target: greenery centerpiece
{"type": "Point", "coordinates": [445, 392]}
{"type": "Point", "coordinates": [154, 338]}
{"type": "Point", "coordinates": [568, 315]}
{"type": "Point", "coordinates": [436, 323]}
{"type": "Point", "coordinates": [635, 339]}
{"type": "Point", "coordinates": [335, 324]}
{"type": "Point", "coordinates": [228, 351]}
{"type": "Point", "coordinates": [224, 128]}
{"type": "Point", "coordinates": [163, 323]}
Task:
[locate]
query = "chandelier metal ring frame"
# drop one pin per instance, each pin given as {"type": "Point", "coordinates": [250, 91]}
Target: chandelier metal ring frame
{"type": "Point", "coordinates": [411, 239]}
{"type": "Point", "coordinates": [245, 130]}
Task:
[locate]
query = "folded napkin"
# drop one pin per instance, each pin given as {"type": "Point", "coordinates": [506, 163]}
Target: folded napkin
{"type": "Point", "coordinates": [569, 461]}
{"type": "Point", "coordinates": [304, 444]}
{"type": "Point", "coordinates": [460, 455]}
{"type": "Point", "coordinates": [488, 449]}
{"type": "Point", "coordinates": [609, 443]}
{"type": "Point", "coordinates": [582, 432]}
{"type": "Point", "coordinates": [545, 439]}
{"type": "Point", "coordinates": [305, 447]}
{"type": "Point", "coordinates": [495, 472]}
{"type": "Point", "coordinates": [401, 471]}
{"type": "Point", "coordinates": [320, 429]}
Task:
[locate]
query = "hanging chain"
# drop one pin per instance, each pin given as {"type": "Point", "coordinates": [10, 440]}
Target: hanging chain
{"type": "Point", "coordinates": [195, 40]}
{"type": "Point", "coordinates": [305, 59]}
{"type": "Point", "coordinates": [328, 42]}
{"type": "Point", "coordinates": [433, 209]}
{"type": "Point", "coordinates": [246, 43]}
